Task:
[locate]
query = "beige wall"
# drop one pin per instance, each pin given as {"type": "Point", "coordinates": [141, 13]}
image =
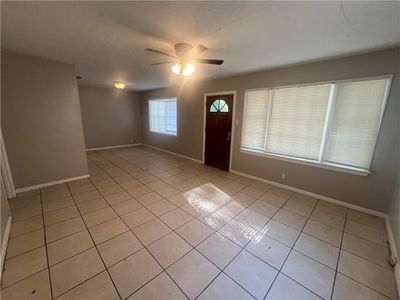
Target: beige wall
{"type": "Point", "coordinates": [110, 116]}
{"type": "Point", "coordinates": [189, 122]}
{"type": "Point", "coordinates": [373, 191]}
{"type": "Point", "coordinates": [41, 120]}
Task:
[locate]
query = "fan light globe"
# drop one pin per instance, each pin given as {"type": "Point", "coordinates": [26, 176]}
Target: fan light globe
{"type": "Point", "coordinates": [176, 69]}
{"type": "Point", "coordinates": [188, 69]}
{"type": "Point", "coordinates": [119, 85]}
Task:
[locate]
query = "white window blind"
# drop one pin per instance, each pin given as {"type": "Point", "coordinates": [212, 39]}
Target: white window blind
{"type": "Point", "coordinates": [333, 124]}
{"type": "Point", "coordinates": [256, 112]}
{"type": "Point", "coordinates": [355, 122]}
{"type": "Point", "coordinates": [162, 116]}
{"type": "Point", "coordinates": [297, 121]}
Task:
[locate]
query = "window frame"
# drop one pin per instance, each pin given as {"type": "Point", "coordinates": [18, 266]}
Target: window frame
{"type": "Point", "coordinates": [171, 133]}
{"type": "Point", "coordinates": [219, 108]}
{"type": "Point", "coordinates": [320, 163]}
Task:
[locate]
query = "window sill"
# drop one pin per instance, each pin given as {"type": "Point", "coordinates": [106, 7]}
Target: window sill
{"type": "Point", "coordinates": [328, 166]}
{"type": "Point", "coordinates": [163, 133]}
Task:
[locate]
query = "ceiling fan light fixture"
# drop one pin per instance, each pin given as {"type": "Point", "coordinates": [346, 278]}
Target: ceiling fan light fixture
{"type": "Point", "coordinates": [119, 85]}
{"type": "Point", "coordinates": [184, 55]}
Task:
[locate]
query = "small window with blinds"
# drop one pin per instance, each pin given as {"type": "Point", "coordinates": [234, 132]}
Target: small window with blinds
{"type": "Point", "coordinates": [162, 116]}
{"type": "Point", "coordinates": [333, 124]}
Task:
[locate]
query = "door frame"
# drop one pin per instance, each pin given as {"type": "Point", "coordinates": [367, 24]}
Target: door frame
{"type": "Point", "coordinates": [5, 171]}
{"type": "Point", "coordinates": [232, 126]}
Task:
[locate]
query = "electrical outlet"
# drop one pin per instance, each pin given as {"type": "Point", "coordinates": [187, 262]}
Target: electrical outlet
{"type": "Point", "coordinates": [283, 176]}
{"type": "Point", "coordinates": [131, 140]}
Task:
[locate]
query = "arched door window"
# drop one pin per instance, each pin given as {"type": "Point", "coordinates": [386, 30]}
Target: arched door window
{"type": "Point", "coordinates": [219, 106]}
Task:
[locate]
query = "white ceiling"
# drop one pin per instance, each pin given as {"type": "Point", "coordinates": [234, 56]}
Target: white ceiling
{"type": "Point", "coordinates": [106, 40]}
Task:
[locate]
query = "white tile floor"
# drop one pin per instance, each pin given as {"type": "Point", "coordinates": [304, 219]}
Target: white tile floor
{"type": "Point", "coordinates": [149, 225]}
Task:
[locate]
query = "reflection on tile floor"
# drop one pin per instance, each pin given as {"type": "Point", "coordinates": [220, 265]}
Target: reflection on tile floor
{"type": "Point", "coordinates": [149, 225]}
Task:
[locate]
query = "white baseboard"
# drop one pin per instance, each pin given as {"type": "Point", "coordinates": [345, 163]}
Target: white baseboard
{"type": "Point", "coordinates": [173, 153]}
{"type": "Point", "coordinates": [47, 184]}
{"type": "Point", "coordinates": [146, 145]}
{"type": "Point", "coordinates": [113, 147]}
{"type": "Point", "coordinates": [4, 244]}
{"type": "Point", "coordinates": [393, 254]}
{"type": "Point", "coordinates": [322, 197]}
{"type": "Point", "coordinates": [325, 198]}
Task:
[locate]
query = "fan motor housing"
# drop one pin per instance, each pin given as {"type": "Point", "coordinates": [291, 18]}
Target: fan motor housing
{"type": "Point", "coordinates": [182, 50]}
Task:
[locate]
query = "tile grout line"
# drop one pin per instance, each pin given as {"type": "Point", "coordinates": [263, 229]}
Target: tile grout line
{"type": "Point", "coordinates": [45, 247]}
{"type": "Point", "coordinates": [338, 259]}
{"type": "Point", "coordinates": [370, 288]}
{"type": "Point", "coordinates": [30, 249]}
{"type": "Point", "coordinates": [368, 260]}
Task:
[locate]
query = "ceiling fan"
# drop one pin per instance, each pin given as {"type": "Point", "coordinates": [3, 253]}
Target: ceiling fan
{"type": "Point", "coordinates": [184, 58]}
